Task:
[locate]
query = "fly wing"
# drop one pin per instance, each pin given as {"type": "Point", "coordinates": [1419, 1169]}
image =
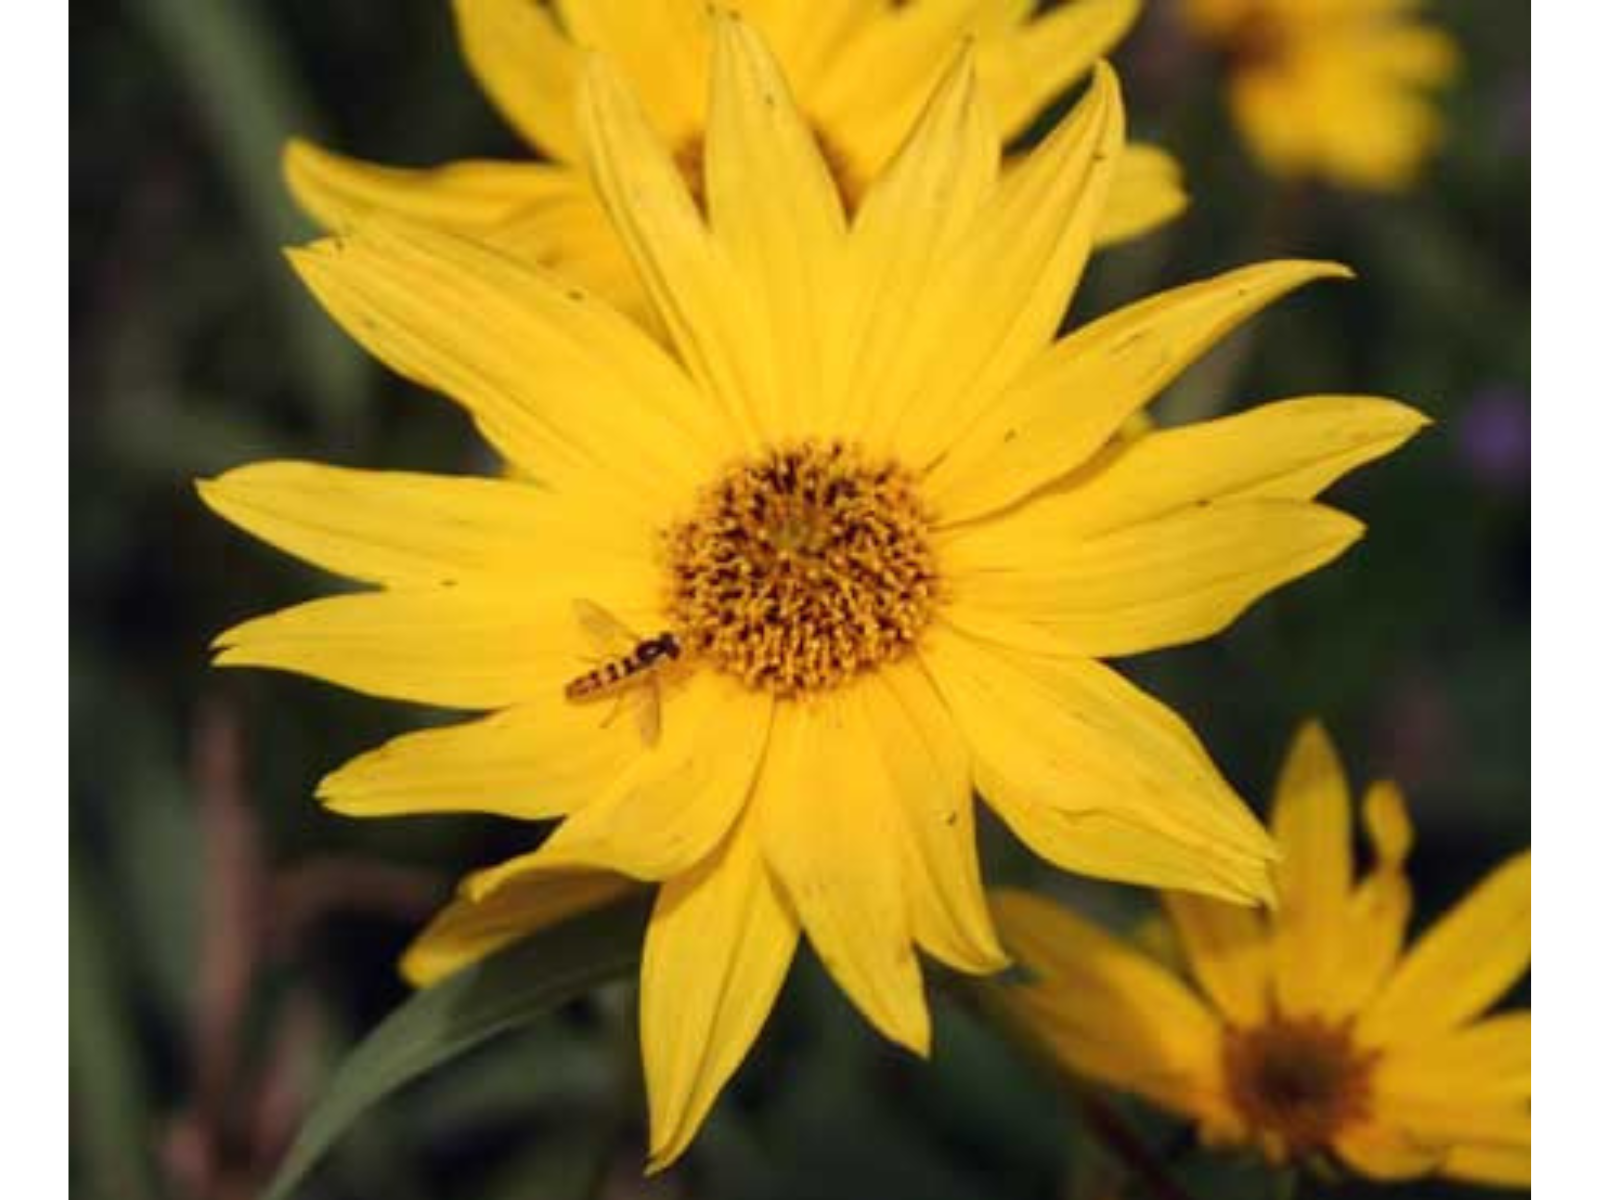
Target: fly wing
{"type": "Point", "coordinates": [646, 702]}
{"type": "Point", "coordinates": [610, 636]}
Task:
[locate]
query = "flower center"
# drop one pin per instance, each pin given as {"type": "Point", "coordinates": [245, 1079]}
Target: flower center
{"type": "Point", "coordinates": [802, 568]}
{"type": "Point", "coordinates": [1254, 38]}
{"type": "Point", "coordinates": [1298, 1079]}
{"type": "Point", "coordinates": [691, 160]}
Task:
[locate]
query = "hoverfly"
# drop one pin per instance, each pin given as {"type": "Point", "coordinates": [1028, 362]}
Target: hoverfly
{"type": "Point", "coordinates": [629, 670]}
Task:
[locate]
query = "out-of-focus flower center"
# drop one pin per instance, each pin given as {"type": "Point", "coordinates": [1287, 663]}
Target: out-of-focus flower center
{"type": "Point", "coordinates": [802, 568]}
{"type": "Point", "coordinates": [691, 160]}
{"type": "Point", "coordinates": [1256, 39]}
{"type": "Point", "coordinates": [1298, 1081]}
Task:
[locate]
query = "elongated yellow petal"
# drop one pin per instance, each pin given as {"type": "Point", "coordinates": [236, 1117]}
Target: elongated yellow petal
{"type": "Point", "coordinates": [1106, 1010]}
{"type": "Point", "coordinates": [1462, 964]}
{"type": "Point", "coordinates": [526, 65]}
{"type": "Point", "coordinates": [1147, 192]}
{"type": "Point", "coordinates": [450, 647]}
{"type": "Point", "coordinates": [691, 283]}
{"type": "Point", "coordinates": [466, 931]}
{"type": "Point", "coordinates": [1380, 906]}
{"type": "Point", "coordinates": [1076, 395]}
{"type": "Point", "coordinates": [1381, 1152]}
{"type": "Point", "coordinates": [1030, 64]}
{"type": "Point", "coordinates": [1097, 776]}
{"type": "Point", "coordinates": [1226, 948]}
{"type": "Point", "coordinates": [339, 191]}
{"type": "Point", "coordinates": [926, 762]}
{"type": "Point", "coordinates": [996, 304]}
{"type": "Point", "coordinates": [672, 802]}
{"type": "Point", "coordinates": [1495, 1164]}
{"type": "Point", "coordinates": [403, 529]}
{"type": "Point", "coordinates": [660, 45]}
{"type": "Point", "coordinates": [1311, 822]}
{"type": "Point", "coordinates": [1489, 1061]}
{"type": "Point", "coordinates": [719, 945]}
{"type": "Point", "coordinates": [1162, 583]}
{"type": "Point", "coordinates": [559, 382]}
{"type": "Point", "coordinates": [873, 89]}
{"type": "Point", "coordinates": [912, 219]}
{"type": "Point", "coordinates": [543, 758]}
{"type": "Point", "coordinates": [825, 815]}
{"type": "Point", "coordinates": [1289, 450]}
{"type": "Point", "coordinates": [776, 210]}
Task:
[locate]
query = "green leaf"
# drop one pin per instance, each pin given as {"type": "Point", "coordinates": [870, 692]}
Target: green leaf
{"type": "Point", "coordinates": [497, 995]}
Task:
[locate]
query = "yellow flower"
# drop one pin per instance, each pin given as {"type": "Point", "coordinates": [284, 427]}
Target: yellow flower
{"type": "Point", "coordinates": [1331, 88]}
{"type": "Point", "coordinates": [869, 521]}
{"type": "Point", "coordinates": [860, 71]}
{"type": "Point", "coordinates": [1311, 1030]}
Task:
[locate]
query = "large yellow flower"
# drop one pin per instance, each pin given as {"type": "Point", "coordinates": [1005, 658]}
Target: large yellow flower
{"type": "Point", "coordinates": [865, 514]}
{"type": "Point", "coordinates": [1331, 88]}
{"type": "Point", "coordinates": [1309, 1031]}
{"type": "Point", "coordinates": [860, 70]}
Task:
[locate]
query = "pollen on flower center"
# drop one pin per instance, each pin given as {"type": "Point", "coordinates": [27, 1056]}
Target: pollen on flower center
{"type": "Point", "coordinates": [691, 160]}
{"type": "Point", "coordinates": [1300, 1080]}
{"type": "Point", "coordinates": [802, 568]}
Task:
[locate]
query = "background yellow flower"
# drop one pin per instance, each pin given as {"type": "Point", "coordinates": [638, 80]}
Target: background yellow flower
{"type": "Point", "coordinates": [1311, 1030]}
{"type": "Point", "coordinates": [1337, 89]}
{"type": "Point", "coordinates": [861, 70]}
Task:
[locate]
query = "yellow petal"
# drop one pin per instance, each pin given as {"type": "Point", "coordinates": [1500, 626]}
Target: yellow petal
{"type": "Point", "coordinates": [559, 382]}
{"type": "Point", "coordinates": [718, 947]}
{"type": "Point", "coordinates": [911, 220]}
{"type": "Point", "coordinates": [1071, 399]}
{"type": "Point", "coordinates": [403, 529]}
{"type": "Point", "coordinates": [1226, 948]}
{"type": "Point", "coordinates": [1381, 1152]}
{"type": "Point", "coordinates": [1146, 193]}
{"type": "Point", "coordinates": [1289, 450]}
{"type": "Point", "coordinates": [776, 210]}
{"type": "Point", "coordinates": [1107, 1011]}
{"type": "Point", "coordinates": [1028, 65]}
{"type": "Point", "coordinates": [340, 191]}
{"type": "Point", "coordinates": [995, 305]}
{"type": "Point", "coordinates": [673, 802]}
{"type": "Point", "coordinates": [1497, 1165]}
{"type": "Point", "coordinates": [1311, 822]}
{"type": "Point", "coordinates": [1176, 579]}
{"type": "Point", "coordinates": [1463, 963]}
{"type": "Point", "coordinates": [828, 827]}
{"type": "Point", "coordinates": [545, 757]}
{"type": "Point", "coordinates": [689, 278]}
{"type": "Point", "coordinates": [876, 83]}
{"type": "Point", "coordinates": [443, 646]}
{"type": "Point", "coordinates": [526, 65]}
{"type": "Point", "coordinates": [660, 46]}
{"type": "Point", "coordinates": [465, 931]}
{"type": "Point", "coordinates": [1095, 775]}
{"type": "Point", "coordinates": [1380, 906]}
{"type": "Point", "coordinates": [1487, 1062]}
{"type": "Point", "coordinates": [926, 762]}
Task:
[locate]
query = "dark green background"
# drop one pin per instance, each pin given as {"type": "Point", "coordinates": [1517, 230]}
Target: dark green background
{"type": "Point", "coordinates": [229, 939]}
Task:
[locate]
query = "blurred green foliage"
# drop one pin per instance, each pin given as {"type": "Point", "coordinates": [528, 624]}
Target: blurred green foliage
{"type": "Point", "coordinates": [230, 940]}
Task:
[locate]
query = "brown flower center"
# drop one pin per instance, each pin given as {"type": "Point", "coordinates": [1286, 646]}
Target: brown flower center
{"type": "Point", "coordinates": [1257, 39]}
{"type": "Point", "coordinates": [1300, 1080]}
{"type": "Point", "coordinates": [691, 160]}
{"type": "Point", "coordinates": [802, 568]}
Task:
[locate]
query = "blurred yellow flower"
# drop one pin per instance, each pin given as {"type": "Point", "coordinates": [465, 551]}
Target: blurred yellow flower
{"type": "Point", "coordinates": [874, 524]}
{"type": "Point", "coordinates": [1311, 1030]}
{"type": "Point", "coordinates": [1335, 89]}
{"type": "Point", "coordinates": [860, 70]}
